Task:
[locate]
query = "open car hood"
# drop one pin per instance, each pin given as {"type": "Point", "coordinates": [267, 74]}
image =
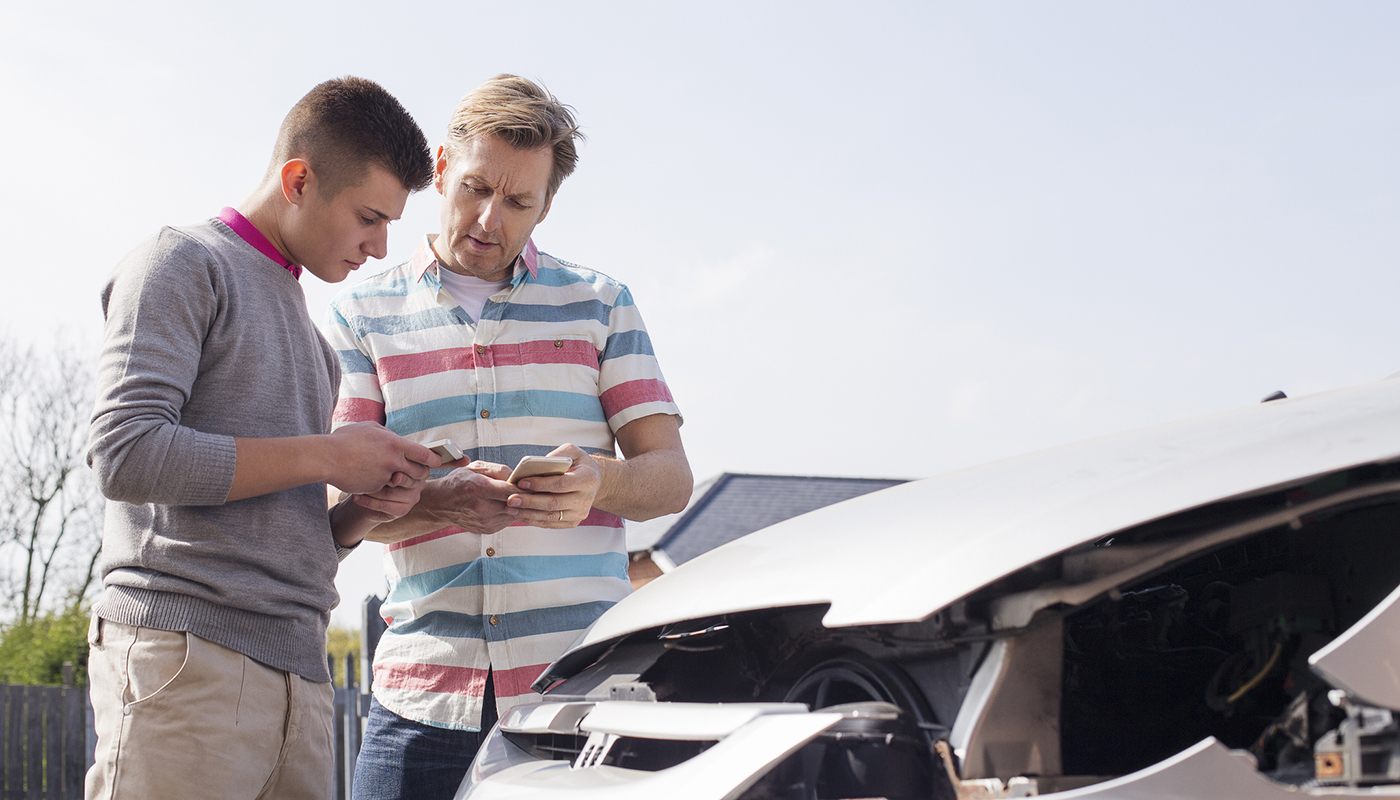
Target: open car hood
{"type": "Point", "coordinates": [939, 539]}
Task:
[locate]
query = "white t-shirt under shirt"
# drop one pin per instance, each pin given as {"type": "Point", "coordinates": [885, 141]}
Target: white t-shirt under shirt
{"type": "Point", "coordinates": [470, 293]}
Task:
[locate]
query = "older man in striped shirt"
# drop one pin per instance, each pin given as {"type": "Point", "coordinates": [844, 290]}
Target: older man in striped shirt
{"type": "Point", "coordinates": [482, 339]}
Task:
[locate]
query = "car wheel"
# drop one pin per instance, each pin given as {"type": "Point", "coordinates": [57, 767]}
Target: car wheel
{"type": "Point", "coordinates": [891, 759]}
{"type": "Point", "coordinates": [840, 679]}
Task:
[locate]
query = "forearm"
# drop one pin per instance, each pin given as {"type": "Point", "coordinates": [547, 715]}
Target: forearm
{"type": "Point", "coordinates": [363, 458]}
{"type": "Point", "coordinates": [350, 525]}
{"type": "Point", "coordinates": [265, 466]}
{"type": "Point", "coordinates": [649, 485]}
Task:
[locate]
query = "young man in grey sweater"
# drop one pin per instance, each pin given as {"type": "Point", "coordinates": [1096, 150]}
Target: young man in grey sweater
{"type": "Point", "coordinates": [212, 440]}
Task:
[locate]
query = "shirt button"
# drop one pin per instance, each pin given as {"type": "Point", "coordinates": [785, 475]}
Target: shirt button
{"type": "Point", "coordinates": [490, 551]}
{"type": "Point", "coordinates": [481, 348]}
{"type": "Point", "coordinates": [558, 342]}
{"type": "Point", "coordinates": [485, 414]}
{"type": "Point", "coordinates": [493, 619]}
{"type": "Point", "coordinates": [126, 710]}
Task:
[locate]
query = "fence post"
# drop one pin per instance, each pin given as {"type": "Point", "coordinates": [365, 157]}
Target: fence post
{"type": "Point", "coordinates": [12, 778]}
{"type": "Point", "coordinates": [356, 691]}
{"type": "Point", "coordinates": [89, 731]}
{"type": "Point", "coordinates": [76, 757]}
{"type": "Point", "coordinates": [372, 627]}
{"type": "Point", "coordinates": [34, 738]}
{"type": "Point", "coordinates": [352, 722]}
{"type": "Point", "coordinates": [339, 791]}
{"type": "Point", "coordinates": [51, 708]}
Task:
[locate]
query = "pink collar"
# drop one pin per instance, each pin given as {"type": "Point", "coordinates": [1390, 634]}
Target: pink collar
{"type": "Point", "coordinates": [423, 257]}
{"type": "Point", "coordinates": [250, 234]}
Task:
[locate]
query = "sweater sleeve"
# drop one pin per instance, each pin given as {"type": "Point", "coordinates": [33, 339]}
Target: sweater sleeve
{"type": "Point", "coordinates": [159, 307]}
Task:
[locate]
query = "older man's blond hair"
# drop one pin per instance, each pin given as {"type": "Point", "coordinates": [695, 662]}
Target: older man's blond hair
{"type": "Point", "coordinates": [524, 115]}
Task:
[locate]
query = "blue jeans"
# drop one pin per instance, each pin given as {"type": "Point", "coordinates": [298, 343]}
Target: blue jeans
{"type": "Point", "coordinates": [405, 760]}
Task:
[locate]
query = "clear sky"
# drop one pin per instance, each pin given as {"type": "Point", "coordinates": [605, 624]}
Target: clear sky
{"type": "Point", "coordinates": [887, 241]}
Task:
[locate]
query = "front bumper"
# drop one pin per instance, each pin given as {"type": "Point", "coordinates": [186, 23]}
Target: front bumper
{"type": "Point", "coordinates": [626, 749]}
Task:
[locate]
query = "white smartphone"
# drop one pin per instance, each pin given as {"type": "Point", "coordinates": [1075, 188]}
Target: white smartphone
{"type": "Point", "coordinates": [535, 466]}
{"type": "Point", "coordinates": [446, 448]}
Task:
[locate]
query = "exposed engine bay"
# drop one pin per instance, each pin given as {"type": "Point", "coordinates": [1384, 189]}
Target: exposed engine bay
{"type": "Point", "coordinates": [1096, 663]}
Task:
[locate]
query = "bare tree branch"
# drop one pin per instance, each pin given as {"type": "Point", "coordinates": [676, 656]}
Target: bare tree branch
{"type": "Point", "coordinates": [49, 506]}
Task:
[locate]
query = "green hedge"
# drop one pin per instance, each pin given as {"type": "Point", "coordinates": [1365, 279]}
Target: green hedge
{"type": "Point", "coordinates": [34, 652]}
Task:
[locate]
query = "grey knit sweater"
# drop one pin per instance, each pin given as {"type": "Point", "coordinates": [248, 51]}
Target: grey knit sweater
{"type": "Point", "coordinates": [206, 339]}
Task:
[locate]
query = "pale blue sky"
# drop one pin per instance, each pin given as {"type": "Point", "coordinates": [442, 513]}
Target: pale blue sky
{"type": "Point", "coordinates": [888, 241]}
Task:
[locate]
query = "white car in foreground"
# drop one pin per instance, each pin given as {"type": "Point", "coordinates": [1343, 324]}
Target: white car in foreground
{"type": "Point", "coordinates": [1203, 609]}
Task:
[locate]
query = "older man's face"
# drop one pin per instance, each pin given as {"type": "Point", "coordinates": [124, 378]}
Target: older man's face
{"type": "Point", "coordinates": [493, 196]}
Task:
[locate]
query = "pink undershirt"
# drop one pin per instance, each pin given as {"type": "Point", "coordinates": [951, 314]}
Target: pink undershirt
{"type": "Point", "coordinates": [254, 237]}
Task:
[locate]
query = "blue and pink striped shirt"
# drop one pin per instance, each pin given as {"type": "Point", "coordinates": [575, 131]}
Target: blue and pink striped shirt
{"type": "Point", "coordinates": [558, 356]}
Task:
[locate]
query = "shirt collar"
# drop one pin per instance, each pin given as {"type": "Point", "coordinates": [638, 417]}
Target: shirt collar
{"type": "Point", "coordinates": [424, 259]}
{"type": "Point", "coordinates": [240, 225]}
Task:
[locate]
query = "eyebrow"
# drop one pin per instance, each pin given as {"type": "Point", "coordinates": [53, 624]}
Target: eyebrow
{"type": "Point", "coordinates": [378, 213]}
{"type": "Point", "coordinates": [517, 196]}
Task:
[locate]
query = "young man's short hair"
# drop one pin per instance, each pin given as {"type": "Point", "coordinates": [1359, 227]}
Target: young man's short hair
{"type": "Point", "coordinates": [343, 126]}
{"type": "Point", "coordinates": [524, 115]}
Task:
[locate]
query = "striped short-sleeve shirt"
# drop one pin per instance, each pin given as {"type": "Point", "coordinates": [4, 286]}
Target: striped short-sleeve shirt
{"type": "Point", "coordinates": [558, 356]}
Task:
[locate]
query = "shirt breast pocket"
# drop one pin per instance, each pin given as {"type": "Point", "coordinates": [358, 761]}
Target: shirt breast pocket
{"type": "Point", "coordinates": [560, 375]}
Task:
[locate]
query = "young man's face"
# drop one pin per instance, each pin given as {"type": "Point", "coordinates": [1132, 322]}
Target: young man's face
{"type": "Point", "coordinates": [493, 196]}
{"type": "Point", "coordinates": [334, 236]}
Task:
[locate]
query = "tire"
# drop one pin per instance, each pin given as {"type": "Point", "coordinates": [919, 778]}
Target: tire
{"type": "Point", "coordinates": [850, 678]}
{"type": "Point", "coordinates": [846, 766]}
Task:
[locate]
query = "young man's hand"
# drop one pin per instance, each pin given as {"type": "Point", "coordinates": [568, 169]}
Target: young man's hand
{"type": "Point", "coordinates": [358, 514]}
{"type": "Point", "coordinates": [391, 502]}
{"type": "Point", "coordinates": [367, 458]}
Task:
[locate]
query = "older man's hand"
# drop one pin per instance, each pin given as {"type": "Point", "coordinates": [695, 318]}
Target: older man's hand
{"type": "Point", "coordinates": [472, 497]}
{"type": "Point", "coordinates": [558, 501]}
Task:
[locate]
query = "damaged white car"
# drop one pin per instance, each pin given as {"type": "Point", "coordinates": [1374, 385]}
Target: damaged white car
{"type": "Point", "coordinates": [1203, 609]}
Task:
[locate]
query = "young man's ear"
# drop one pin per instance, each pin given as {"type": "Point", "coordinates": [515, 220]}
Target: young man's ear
{"type": "Point", "coordinates": [296, 180]}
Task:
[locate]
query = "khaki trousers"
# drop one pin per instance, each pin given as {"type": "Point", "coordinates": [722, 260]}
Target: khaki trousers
{"type": "Point", "coordinates": [180, 717]}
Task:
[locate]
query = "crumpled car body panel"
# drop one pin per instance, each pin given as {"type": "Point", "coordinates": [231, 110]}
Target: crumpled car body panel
{"type": "Point", "coordinates": [1204, 609]}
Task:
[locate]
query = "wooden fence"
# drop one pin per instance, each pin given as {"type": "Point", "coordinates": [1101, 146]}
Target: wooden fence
{"type": "Point", "coordinates": [44, 748]}
{"type": "Point", "coordinates": [46, 742]}
{"type": "Point", "coordinates": [351, 707]}
{"type": "Point", "coordinates": [46, 739]}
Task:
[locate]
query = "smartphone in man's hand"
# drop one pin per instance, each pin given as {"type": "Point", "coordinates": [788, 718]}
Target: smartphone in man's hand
{"type": "Point", "coordinates": [537, 466]}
